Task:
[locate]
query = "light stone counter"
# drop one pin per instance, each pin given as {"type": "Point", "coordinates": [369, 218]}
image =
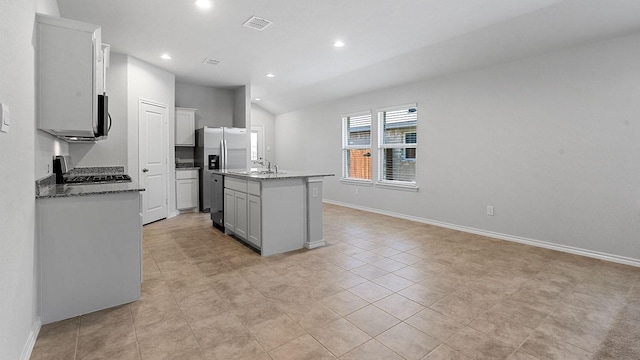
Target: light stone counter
{"type": "Point", "coordinates": [255, 174]}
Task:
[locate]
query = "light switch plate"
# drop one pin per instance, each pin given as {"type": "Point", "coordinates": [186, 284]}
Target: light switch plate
{"type": "Point", "coordinates": [5, 120]}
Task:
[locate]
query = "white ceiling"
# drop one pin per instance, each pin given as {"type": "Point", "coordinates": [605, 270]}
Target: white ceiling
{"type": "Point", "coordinates": [388, 42]}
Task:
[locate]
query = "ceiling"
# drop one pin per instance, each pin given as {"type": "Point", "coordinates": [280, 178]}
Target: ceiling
{"type": "Point", "coordinates": [387, 42]}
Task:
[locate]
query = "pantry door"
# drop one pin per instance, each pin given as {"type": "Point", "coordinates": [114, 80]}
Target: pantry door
{"type": "Point", "coordinates": [153, 131]}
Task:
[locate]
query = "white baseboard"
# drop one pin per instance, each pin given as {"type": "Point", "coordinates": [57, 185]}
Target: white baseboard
{"type": "Point", "coordinates": [173, 214]}
{"type": "Point", "coordinates": [539, 243]}
{"type": "Point", "coordinates": [315, 244]}
{"type": "Point", "coordinates": [31, 340]}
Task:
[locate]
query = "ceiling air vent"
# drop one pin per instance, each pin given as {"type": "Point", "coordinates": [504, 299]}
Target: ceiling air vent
{"type": "Point", "coordinates": [210, 61]}
{"type": "Point", "coordinates": [257, 23]}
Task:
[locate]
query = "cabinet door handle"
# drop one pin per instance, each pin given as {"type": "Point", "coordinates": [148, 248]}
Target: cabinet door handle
{"type": "Point", "coordinates": [145, 170]}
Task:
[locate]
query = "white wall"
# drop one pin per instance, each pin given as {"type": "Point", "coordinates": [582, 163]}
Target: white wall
{"type": "Point", "coordinates": [260, 116]}
{"type": "Point", "coordinates": [215, 106]}
{"type": "Point", "coordinates": [150, 83]}
{"type": "Point", "coordinates": [242, 107]}
{"type": "Point", "coordinates": [18, 280]}
{"type": "Point", "coordinates": [46, 145]}
{"type": "Point", "coordinates": [552, 142]}
{"type": "Point", "coordinates": [114, 149]}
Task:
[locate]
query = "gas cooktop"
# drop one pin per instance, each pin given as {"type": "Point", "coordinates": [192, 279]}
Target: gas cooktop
{"type": "Point", "coordinates": [96, 179]}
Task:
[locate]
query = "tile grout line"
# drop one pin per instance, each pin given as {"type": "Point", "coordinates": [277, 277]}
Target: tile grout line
{"type": "Point", "coordinates": [75, 351]}
{"type": "Point", "coordinates": [135, 330]}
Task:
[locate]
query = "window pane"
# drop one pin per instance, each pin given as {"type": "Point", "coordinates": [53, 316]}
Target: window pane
{"type": "Point", "coordinates": [397, 124]}
{"type": "Point", "coordinates": [359, 130]}
{"type": "Point", "coordinates": [410, 138]}
{"type": "Point", "coordinates": [358, 163]}
{"type": "Point", "coordinates": [396, 166]}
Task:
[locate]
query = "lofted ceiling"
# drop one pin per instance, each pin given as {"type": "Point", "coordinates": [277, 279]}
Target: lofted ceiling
{"type": "Point", "coordinates": [387, 42]}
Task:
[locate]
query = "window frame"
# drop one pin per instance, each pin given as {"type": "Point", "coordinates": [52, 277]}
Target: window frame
{"type": "Point", "coordinates": [346, 178]}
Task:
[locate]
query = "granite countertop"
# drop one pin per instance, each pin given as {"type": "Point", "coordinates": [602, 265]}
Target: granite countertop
{"type": "Point", "coordinates": [63, 190]}
{"type": "Point", "coordinates": [257, 175]}
{"type": "Point", "coordinates": [186, 165]}
{"type": "Point", "coordinates": [47, 187]}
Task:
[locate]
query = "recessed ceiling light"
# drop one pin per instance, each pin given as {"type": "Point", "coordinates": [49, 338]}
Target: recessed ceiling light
{"type": "Point", "coordinates": [203, 4]}
{"type": "Point", "coordinates": [338, 44]}
{"type": "Point", "coordinates": [166, 56]}
{"type": "Point", "coordinates": [257, 99]}
{"type": "Point", "coordinates": [270, 75]}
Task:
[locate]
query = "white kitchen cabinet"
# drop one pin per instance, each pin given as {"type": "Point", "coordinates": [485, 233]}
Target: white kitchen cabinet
{"type": "Point", "coordinates": [235, 212]}
{"type": "Point", "coordinates": [240, 200]}
{"type": "Point", "coordinates": [237, 218]}
{"type": "Point", "coordinates": [89, 252]}
{"type": "Point", "coordinates": [254, 226]}
{"type": "Point", "coordinates": [70, 73]}
{"type": "Point", "coordinates": [185, 126]}
{"type": "Point", "coordinates": [229, 210]}
{"type": "Point", "coordinates": [186, 189]}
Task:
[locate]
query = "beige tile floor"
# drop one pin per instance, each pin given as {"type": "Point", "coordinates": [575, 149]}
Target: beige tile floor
{"type": "Point", "coordinates": [383, 288]}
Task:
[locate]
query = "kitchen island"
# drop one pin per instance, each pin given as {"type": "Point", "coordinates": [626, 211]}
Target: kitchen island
{"type": "Point", "coordinates": [274, 212]}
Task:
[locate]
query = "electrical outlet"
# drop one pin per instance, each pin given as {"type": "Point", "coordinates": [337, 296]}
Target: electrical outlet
{"type": "Point", "coordinates": [315, 193]}
{"type": "Point", "coordinates": [490, 210]}
{"type": "Point", "coordinates": [356, 191]}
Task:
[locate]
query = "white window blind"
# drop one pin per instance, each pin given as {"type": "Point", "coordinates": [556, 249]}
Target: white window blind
{"type": "Point", "coordinates": [356, 146]}
{"type": "Point", "coordinates": [397, 144]}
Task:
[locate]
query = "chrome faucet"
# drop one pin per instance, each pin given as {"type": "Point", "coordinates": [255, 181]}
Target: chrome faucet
{"type": "Point", "coordinates": [262, 162]}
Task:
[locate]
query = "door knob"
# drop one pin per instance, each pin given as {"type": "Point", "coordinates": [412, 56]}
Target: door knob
{"type": "Point", "coordinates": [145, 170]}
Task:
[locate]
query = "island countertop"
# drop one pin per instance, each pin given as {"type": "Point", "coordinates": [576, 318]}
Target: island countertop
{"type": "Point", "coordinates": [256, 174]}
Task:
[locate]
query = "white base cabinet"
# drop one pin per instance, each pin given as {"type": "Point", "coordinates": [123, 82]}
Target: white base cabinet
{"type": "Point", "coordinates": [89, 252]}
{"type": "Point", "coordinates": [229, 210]}
{"type": "Point", "coordinates": [236, 205]}
{"type": "Point", "coordinates": [186, 189]}
{"type": "Point", "coordinates": [240, 204]}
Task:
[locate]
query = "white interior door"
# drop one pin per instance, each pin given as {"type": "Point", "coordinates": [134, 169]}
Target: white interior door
{"type": "Point", "coordinates": [154, 125]}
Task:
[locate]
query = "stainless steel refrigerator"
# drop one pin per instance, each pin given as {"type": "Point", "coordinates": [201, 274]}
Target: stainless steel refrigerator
{"type": "Point", "coordinates": [218, 148]}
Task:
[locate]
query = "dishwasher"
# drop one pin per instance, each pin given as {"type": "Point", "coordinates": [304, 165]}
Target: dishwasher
{"type": "Point", "coordinates": [217, 201]}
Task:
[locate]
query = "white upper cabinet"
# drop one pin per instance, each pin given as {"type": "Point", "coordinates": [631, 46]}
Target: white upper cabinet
{"type": "Point", "coordinates": [185, 127]}
{"type": "Point", "coordinates": [70, 74]}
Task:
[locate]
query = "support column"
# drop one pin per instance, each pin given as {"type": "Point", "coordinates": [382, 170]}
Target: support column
{"type": "Point", "coordinates": [315, 237]}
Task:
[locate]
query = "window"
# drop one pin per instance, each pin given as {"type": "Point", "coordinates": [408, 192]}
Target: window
{"type": "Point", "coordinates": [254, 146]}
{"type": "Point", "coordinates": [397, 145]}
{"type": "Point", "coordinates": [356, 147]}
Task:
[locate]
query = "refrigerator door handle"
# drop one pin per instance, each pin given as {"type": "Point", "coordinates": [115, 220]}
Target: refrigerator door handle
{"type": "Point", "coordinates": [223, 144]}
